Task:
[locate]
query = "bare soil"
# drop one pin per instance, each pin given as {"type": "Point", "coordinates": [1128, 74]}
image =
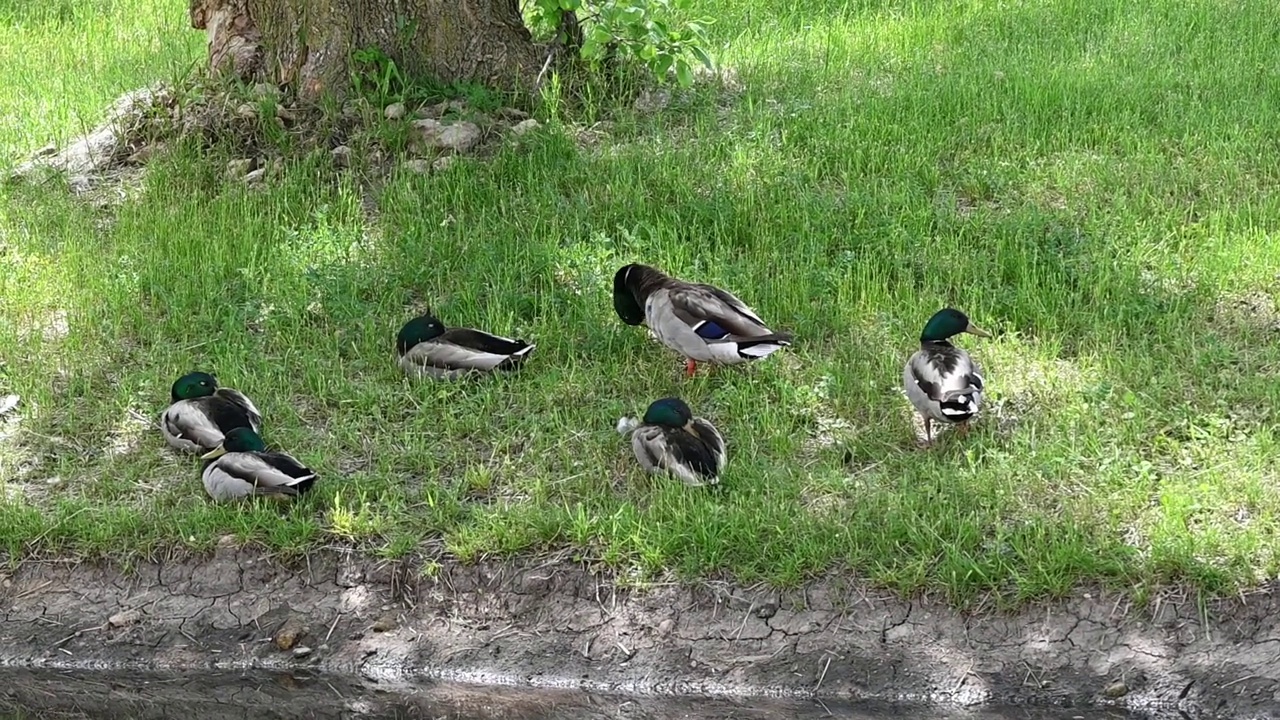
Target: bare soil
{"type": "Point", "coordinates": [559, 626]}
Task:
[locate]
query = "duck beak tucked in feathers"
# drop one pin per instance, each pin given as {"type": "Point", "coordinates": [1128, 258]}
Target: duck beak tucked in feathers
{"type": "Point", "coordinates": [702, 322]}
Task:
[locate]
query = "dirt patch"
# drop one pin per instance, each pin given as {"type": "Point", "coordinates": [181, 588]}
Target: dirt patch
{"type": "Point", "coordinates": [560, 626]}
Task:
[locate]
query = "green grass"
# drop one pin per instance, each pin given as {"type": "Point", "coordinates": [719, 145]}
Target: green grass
{"type": "Point", "coordinates": [1091, 179]}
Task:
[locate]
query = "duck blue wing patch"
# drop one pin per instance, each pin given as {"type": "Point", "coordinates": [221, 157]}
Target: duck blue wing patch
{"type": "Point", "coordinates": [709, 330]}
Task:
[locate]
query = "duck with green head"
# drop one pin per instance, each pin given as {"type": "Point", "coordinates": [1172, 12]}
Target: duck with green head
{"type": "Point", "coordinates": [701, 322]}
{"type": "Point", "coordinates": [670, 439]}
{"type": "Point", "coordinates": [941, 380]}
{"type": "Point", "coordinates": [202, 413]}
{"type": "Point", "coordinates": [427, 349]}
{"type": "Point", "coordinates": [240, 467]}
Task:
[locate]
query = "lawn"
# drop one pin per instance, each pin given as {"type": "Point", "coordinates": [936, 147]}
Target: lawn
{"type": "Point", "coordinates": [1091, 180]}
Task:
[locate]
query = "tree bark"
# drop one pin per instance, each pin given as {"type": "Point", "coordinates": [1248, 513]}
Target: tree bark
{"type": "Point", "coordinates": [307, 45]}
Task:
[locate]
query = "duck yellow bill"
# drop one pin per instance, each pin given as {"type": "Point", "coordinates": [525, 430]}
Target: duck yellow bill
{"type": "Point", "coordinates": [214, 453]}
{"type": "Point", "coordinates": [975, 330]}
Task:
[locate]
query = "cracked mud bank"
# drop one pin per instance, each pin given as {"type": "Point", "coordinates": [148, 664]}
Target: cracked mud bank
{"type": "Point", "coordinates": [559, 626]}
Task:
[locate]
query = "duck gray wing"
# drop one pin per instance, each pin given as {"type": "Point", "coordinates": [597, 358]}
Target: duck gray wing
{"type": "Point", "coordinates": [187, 427]}
{"type": "Point", "coordinates": [238, 475]}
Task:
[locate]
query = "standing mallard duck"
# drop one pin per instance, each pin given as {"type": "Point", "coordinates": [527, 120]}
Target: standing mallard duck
{"type": "Point", "coordinates": [941, 380]}
{"type": "Point", "coordinates": [202, 413]}
{"type": "Point", "coordinates": [701, 322]}
{"type": "Point", "coordinates": [671, 439]}
{"type": "Point", "coordinates": [240, 466]}
{"type": "Point", "coordinates": [428, 349]}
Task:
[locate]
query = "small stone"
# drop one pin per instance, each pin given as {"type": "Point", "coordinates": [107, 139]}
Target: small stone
{"type": "Point", "coordinates": [1116, 689]}
{"type": "Point", "coordinates": [289, 634]}
{"type": "Point", "coordinates": [124, 617]}
{"type": "Point", "coordinates": [386, 622]}
{"type": "Point", "coordinates": [255, 176]}
{"type": "Point", "coordinates": [417, 166]}
{"type": "Point", "coordinates": [7, 403]}
{"type": "Point", "coordinates": [525, 126]}
{"type": "Point", "coordinates": [341, 156]}
{"type": "Point", "coordinates": [239, 167]}
{"type": "Point", "coordinates": [443, 163]}
{"type": "Point", "coordinates": [53, 480]}
{"type": "Point", "coordinates": [459, 137]}
{"type": "Point", "coordinates": [766, 611]}
{"type": "Point", "coordinates": [301, 651]}
{"type": "Point", "coordinates": [247, 111]}
{"type": "Point", "coordinates": [665, 627]}
{"type": "Point", "coordinates": [285, 113]}
{"type": "Point", "coordinates": [394, 111]}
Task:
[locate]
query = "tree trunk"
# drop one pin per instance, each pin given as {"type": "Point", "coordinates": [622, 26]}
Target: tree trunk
{"type": "Point", "coordinates": [307, 45]}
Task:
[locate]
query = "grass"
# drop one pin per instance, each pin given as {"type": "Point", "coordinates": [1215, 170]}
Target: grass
{"type": "Point", "coordinates": [1090, 179]}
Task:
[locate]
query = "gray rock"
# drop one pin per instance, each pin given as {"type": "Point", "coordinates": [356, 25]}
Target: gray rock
{"type": "Point", "coordinates": [341, 156]}
{"type": "Point", "coordinates": [394, 111]}
{"type": "Point", "coordinates": [239, 167]}
{"type": "Point", "coordinates": [458, 137]}
{"type": "Point", "coordinates": [427, 129]}
{"type": "Point", "coordinates": [525, 126]}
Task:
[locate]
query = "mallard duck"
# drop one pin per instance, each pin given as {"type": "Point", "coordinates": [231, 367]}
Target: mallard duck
{"type": "Point", "coordinates": [202, 413]}
{"type": "Point", "coordinates": [701, 322]}
{"type": "Point", "coordinates": [240, 466]}
{"type": "Point", "coordinates": [941, 380]}
{"type": "Point", "coordinates": [670, 439]}
{"type": "Point", "coordinates": [428, 349]}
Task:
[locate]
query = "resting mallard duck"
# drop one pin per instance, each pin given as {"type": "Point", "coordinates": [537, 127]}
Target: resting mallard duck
{"type": "Point", "coordinates": [941, 380]}
{"type": "Point", "coordinates": [671, 439]}
{"type": "Point", "coordinates": [202, 413]}
{"type": "Point", "coordinates": [701, 322]}
{"type": "Point", "coordinates": [428, 349]}
{"type": "Point", "coordinates": [240, 466]}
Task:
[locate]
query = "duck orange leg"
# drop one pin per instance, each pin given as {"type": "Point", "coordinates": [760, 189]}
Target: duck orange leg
{"type": "Point", "coordinates": [690, 367]}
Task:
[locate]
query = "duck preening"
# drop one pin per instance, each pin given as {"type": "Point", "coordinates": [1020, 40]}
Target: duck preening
{"type": "Point", "coordinates": [701, 322]}
{"type": "Point", "coordinates": [670, 439]}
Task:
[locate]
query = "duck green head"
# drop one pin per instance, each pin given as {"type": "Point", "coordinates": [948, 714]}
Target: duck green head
{"type": "Point", "coordinates": [420, 329]}
{"type": "Point", "coordinates": [193, 385]}
{"type": "Point", "coordinates": [948, 322]}
{"type": "Point", "coordinates": [624, 298]}
{"type": "Point", "coordinates": [239, 439]}
{"type": "Point", "coordinates": [668, 412]}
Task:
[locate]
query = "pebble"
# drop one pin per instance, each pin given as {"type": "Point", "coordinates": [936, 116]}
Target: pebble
{"type": "Point", "coordinates": [301, 651]}
{"type": "Point", "coordinates": [525, 126]}
{"type": "Point", "coordinates": [394, 111]}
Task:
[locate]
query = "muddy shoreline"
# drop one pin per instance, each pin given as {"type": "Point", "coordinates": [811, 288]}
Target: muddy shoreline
{"type": "Point", "coordinates": [560, 626]}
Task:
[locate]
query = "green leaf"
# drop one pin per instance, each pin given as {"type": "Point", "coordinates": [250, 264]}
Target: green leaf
{"type": "Point", "coordinates": [702, 56]}
{"type": "Point", "coordinates": [662, 64]}
{"type": "Point", "coordinates": [684, 73]}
